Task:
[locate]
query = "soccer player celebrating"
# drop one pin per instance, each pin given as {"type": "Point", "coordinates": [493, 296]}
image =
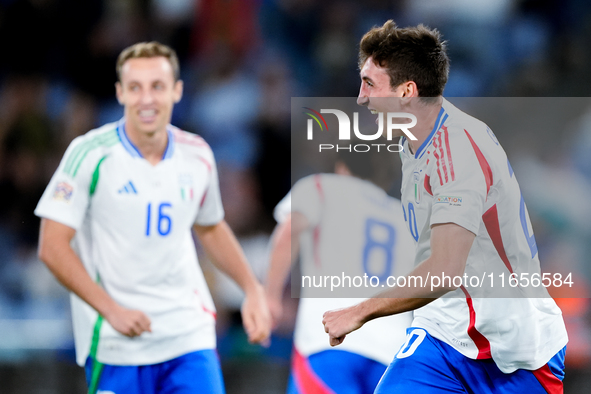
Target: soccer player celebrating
{"type": "Point", "coordinates": [116, 230]}
{"type": "Point", "coordinates": [464, 209]}
{"type": "Point", "coordinates": [341, 224]}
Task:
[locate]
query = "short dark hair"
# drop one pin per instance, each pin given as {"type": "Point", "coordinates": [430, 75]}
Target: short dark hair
{"type": "Point", "coordinates": [149, 49]}
{"type": "Point", "coordinates": [415, 54]}
{"type": "Point", "coordinates": [375, 166]}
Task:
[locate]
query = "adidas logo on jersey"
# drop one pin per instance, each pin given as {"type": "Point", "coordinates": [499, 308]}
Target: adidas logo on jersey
{"type": "Point", "coordinates": [128, 188]}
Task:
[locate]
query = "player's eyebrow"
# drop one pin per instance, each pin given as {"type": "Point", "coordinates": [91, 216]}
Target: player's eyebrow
{"type": "Point", "coordinates": [151, 82]}
{"type": "Point", "coordinates": [365, 78]}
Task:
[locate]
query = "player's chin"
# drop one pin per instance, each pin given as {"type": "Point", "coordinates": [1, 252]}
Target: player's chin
{"type": "Point", "coordinates": [150, 124]}
{"type": "Point", "coordinates": [149, 127]}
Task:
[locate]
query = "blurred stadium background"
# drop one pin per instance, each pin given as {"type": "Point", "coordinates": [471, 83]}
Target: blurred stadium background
{"type": "Point", "coordinates": [242, 61]}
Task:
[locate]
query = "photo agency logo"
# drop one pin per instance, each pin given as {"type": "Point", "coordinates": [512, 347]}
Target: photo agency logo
{"type": "Point", "coordinates": [394, 121]}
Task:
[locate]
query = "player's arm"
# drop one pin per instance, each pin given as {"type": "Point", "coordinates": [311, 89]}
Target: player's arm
{"type": "Point", "coordinates": [225, 252]}
{"type": "Point", "coordinates": [284, 249]}
{"type": "Point", "coordinates": [450, 246]}
{"type": "Point", "coordinates": [55, 251]}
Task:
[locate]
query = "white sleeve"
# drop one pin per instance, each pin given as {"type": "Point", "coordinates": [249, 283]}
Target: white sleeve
{"type": "Point", "coordinates": [458, 179]}
{"type": "Point", "coordinates": [307, 195]}
{"type": "Point", "coordinates": [67, 195]}
{"type": "Point", "coordinates": [211, 210]}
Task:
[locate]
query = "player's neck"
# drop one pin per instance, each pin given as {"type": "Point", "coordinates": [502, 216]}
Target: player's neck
{"type": "Point", "coordinates": [426, 118]}
{"type": "Point", "coordinates": [151, 145]}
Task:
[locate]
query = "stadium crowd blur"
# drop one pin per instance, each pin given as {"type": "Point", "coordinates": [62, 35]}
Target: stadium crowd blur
{"type": "Point", "coordinates": [242, 61]}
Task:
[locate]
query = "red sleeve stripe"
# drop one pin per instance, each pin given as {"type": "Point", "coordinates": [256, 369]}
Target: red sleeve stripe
{"type": "Point", "coordinates": [480, 340]}
{"type": "Point", "coordinates": [439, 144]}
{"type": "Point", "coordinates": [443, 156]}
{"type": "Point", "coordinates": [493, 227]}
{"type": "Point", "coordinates": [188, 138]}
{"type": "Point", "coordinates": [305, 378]}
{"type": "Point", "coordinates": [486, 170]}
{"type": "Point", "coordinates": [437, 162]}
{"type": "Point", "coordinates": [451, 163]}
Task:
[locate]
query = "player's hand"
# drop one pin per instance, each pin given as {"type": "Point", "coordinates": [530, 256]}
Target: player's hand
{"type": "Point", "coordinates": [256, 317]}
{"type": "Point", "coordinates": [129, 322]}
{"type": "Point", "coordinates": [276, 309]}
{"type": "Point", "coordinates": [339, 323]}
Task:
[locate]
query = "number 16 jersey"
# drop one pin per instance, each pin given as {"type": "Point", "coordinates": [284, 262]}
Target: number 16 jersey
{"type": "Point", "coordinates": [133, 225]}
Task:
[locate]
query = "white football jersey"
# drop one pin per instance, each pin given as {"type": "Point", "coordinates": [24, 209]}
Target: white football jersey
{"type": "Point", "coordinates": [461, 175]}
{"type": "Point", "coordinates": [133, 226]}
{"type": "Point", "coordinates": [355, 229]}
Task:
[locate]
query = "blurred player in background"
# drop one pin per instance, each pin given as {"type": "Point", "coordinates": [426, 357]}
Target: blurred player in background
{"type": "Point", "coordinates": [465, 211]}
{"type": "Point", "coordinates": [116, 230]}
{"type": "Point", "coordinates": [342, 223]}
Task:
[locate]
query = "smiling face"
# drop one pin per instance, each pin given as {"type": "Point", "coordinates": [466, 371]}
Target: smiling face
{"type": "Point", "coordinates": [377, 94]}
{"type": "Point", "coordinates": [148, 92]}
{"type": "Point", "coordinates": [375, 84]}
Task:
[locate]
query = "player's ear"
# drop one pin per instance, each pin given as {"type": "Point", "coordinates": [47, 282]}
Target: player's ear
{"type": "Point", "coordinates": [409, 90]}
{"type": "Point", "coordinates": [178, 91]}
{"type": "Point", "coordinates": [119, 92]}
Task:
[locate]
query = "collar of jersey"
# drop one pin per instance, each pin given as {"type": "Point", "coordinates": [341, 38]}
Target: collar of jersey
{"type": "Point", "coordinates": [133, 150]}
{"type": "Point", "coordinates": [441, 118]}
